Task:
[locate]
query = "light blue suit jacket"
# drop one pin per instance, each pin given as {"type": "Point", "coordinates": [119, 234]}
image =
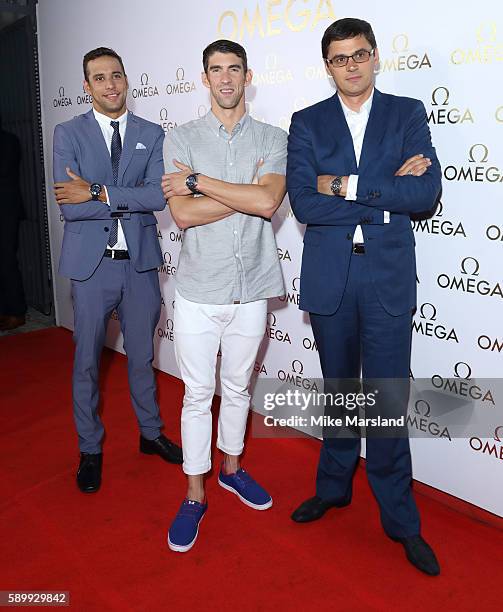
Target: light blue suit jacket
{"type": "Point", "coordinates": [79, 145]}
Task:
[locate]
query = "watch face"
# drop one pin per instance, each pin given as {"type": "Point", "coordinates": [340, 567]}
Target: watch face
{"type": "Point", "coordinates": [191, 182]}
{"type": "Point", "coordinates": [336, 185]}
{"type": "Point", "coordinates": [95, 189]}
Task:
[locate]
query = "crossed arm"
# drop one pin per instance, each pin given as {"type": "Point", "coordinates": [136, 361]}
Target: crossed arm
{"type": "Point", "coordinates": [70, 189]}
{"type": "Point", "coordinates": [221, 199]}
{"type": "Point", "coordinates": [414, 186]}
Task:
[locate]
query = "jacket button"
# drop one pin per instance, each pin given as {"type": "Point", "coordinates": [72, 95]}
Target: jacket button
{"type": "Point", "coordinates": [349, 237]}
{"type": "Point", "coordinates": [106, 229]}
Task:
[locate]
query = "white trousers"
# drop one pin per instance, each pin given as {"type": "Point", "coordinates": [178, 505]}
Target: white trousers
{"type": "Point", "coordinates": [199, 330]}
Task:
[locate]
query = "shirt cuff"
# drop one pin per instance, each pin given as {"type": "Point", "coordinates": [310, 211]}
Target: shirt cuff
{"type": "Point", "coordinates": [352, 187]}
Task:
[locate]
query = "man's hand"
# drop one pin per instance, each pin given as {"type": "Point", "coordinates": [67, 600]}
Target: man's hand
{"type": "Point", "coordinates": [325, 180]}
{"type": "Point", "coordinates": [414, 166]}
{"type": "Point", "coordinates": [75, 191]}
{"type": "Point", "coordinates": [173, 184]}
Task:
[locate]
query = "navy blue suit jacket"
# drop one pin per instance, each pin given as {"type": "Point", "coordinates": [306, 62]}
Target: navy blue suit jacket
{"type": "Point", "coordinates": [320, 143]}
{"type": "Point", "coordinates": [79, 145]}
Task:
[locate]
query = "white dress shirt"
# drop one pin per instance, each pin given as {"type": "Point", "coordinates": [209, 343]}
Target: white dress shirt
{"type": "Point", "coordinates": [357, 124]}
{"type": "Point", "coordinates": [107, 131]}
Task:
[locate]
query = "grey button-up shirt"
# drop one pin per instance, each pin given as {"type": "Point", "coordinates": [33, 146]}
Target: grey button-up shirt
{"type": "Point", "coordinates": [234, 259]}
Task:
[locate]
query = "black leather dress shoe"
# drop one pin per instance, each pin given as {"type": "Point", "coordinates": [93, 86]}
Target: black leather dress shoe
{"type": "Point", "coordinates": [420, 554]}
{"type": "Point", "coordinates": [89, 472]}
{"type": "Point", "coordinates": [314, 508]}
{"type": "Point", "coordinates": [163, 447]}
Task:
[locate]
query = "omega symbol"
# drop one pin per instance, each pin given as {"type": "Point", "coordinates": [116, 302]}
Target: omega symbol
{"type": "Point", "coordinates": [434, 96]}
{"type": "Point", "coordinates": [402, 47]}
{"type": "Point", "coordinates": [418, 410]}
{"type": "Point", "coordinates": [433, 316]}
{"type": "Point", "coordinates": [301, 369]}
{"type": "Point", "coordinates": [485, 153]}
{"type": "Point", "coordinates": [458, 369]}
{"type": "Point", "coordinates": [475, 269]}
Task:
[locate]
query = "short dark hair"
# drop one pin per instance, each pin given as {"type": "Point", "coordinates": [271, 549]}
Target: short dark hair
{"type": "Point", "coordinates": [347, 28]}
{"type": "Point", "coordinates": [101, 52]}
{"type": "Point", "coordinates": [224, 46]}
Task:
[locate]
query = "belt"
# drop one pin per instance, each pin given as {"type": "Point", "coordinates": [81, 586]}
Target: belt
{"type": "Point", "coordinates": [115, 254]}
{"type": "Point", "coordinates": [359, 249]}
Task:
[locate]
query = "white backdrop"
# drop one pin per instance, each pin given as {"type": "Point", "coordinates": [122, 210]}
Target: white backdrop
{"type": "Point", "coordinates": [450, 58]}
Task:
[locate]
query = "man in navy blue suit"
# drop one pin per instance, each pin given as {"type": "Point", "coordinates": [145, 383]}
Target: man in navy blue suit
{"type": "Point", "coordinates": [359, 164]}
{"type": "Point", "coordinates": [107, 167]}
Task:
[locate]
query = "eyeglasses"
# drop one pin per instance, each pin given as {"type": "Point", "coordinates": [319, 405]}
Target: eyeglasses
{"type": "Point", "coordinates": [360, 57]}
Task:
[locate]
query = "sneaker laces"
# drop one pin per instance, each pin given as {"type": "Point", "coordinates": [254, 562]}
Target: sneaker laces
{"type": "Point", "coordinates": [190, 509]}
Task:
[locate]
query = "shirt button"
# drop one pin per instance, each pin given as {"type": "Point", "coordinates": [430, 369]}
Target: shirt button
{"type": "Point", "coordinates": [236, 254]}
{"type": "Point", "coordinates": [230, 163]}
{"type": "Point", "coordinates": [235, 232]}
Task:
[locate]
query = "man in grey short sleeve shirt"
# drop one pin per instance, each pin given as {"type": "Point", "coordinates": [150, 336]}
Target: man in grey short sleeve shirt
{"type": "Point", "coordinates": [225, 178]}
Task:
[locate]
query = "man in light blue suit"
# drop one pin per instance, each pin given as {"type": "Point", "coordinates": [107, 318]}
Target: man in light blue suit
{"type": "Point", "coordinates": [107, 169]}
{"type": "Point", "coordinates": [359, 164]}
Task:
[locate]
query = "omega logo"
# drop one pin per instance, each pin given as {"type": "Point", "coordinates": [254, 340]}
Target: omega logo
{"type": "Point", "coordinates": [433, 316]}
{"type": "Point", "coordinates": [421, 422]}
{"type": "Point", "coordinates": [475, 268]}
{"type": "Point", "coordinates": [488, 344]}
{"type": "Point", "coordinates": [484, 156]}
{"type": "Point", "coordinates": [427, 409]}
{"type": "Point", "coordinates": [146, 90]}
{"type": "Point", "coordinates": [442, 115]}
{"type": "Point", "coordinates": [488, 448]}
{"type": "Point", "coordinates": [62, 100]}
{"type": "Point", "coordinates": [403, 47]}
{"type": "Point", "coordinates": [403, 60]}
{"type": "Point", "coordinates": [180, 74]}
{"type": "Point", "coordinates": [300, 366]}
{"type": "Point", "coordinates": [462, 368]}
{"type": "Point", "coordinates": [426, 327]}
{"type": "Point", "coordinates": [434, 96]}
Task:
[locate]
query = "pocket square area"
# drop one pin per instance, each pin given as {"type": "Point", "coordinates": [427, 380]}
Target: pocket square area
{"type": "Point", "coordinates": [140, 145]}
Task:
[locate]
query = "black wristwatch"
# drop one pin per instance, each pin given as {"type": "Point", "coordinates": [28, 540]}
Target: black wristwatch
{"type": "Point", "coordinates": [95, 190]}
{"type": "Point", "coordinates": [191, 183]}
{"type": "Point", "coordinates": [336, 185]}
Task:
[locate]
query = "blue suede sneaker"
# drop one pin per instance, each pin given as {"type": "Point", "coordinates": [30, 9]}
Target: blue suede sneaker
{"type": "Point", "coordinates": [184, 529]}
{"type": "Point", "coordinates": [248, 491]}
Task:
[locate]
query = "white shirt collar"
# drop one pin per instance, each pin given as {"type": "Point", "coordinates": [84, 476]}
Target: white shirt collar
{"type": "Point", "coordinates": [364, 109]}
{"type": "Point", "coordinates": [105, 120]}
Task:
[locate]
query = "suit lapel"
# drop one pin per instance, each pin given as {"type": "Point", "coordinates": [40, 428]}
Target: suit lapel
{"type": "Point", "coordinates": [129, 145]}
{"type": "Point", "coordinates": [342, 135]}
{"type": "Point", "coordinates": [98, 144]}
{"type": "Point", "coordinates": [376, 127]}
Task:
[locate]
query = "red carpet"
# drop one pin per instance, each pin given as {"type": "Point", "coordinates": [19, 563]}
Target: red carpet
{"type": "Point", "coordinates": [109, 550]}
